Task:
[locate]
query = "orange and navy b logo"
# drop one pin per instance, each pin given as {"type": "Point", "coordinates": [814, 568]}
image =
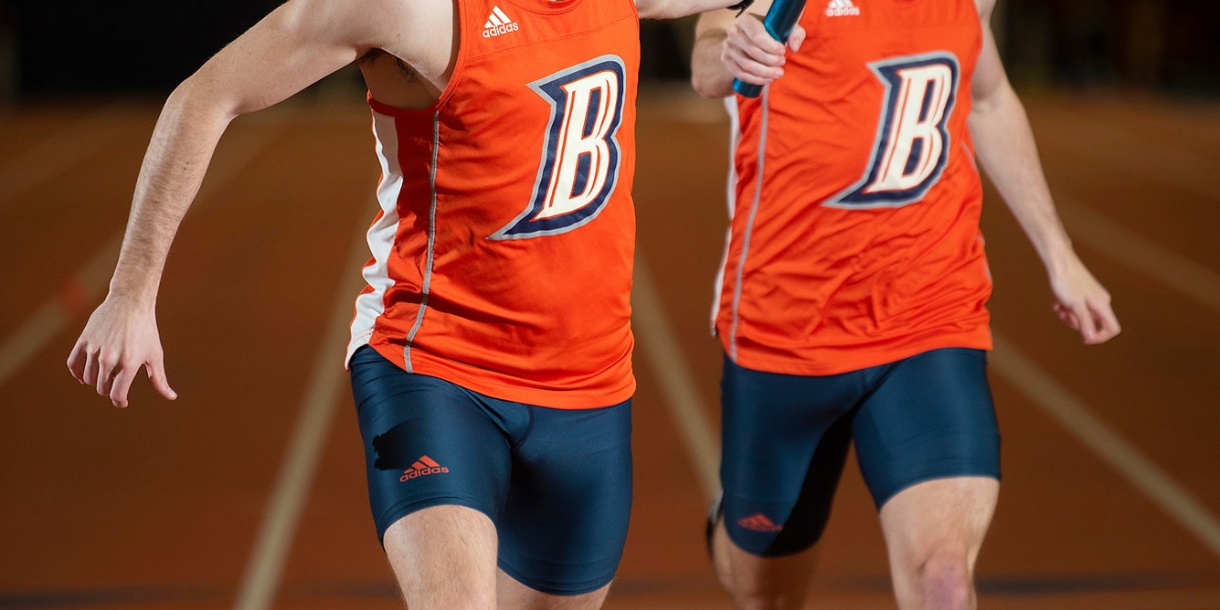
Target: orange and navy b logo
{"type": "Point", "coordinates": [911, 149]}
{"type": "Point", "coordinates": [581, 157]}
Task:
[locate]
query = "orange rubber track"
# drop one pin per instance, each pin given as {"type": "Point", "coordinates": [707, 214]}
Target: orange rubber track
{"type": "Point", "coordinates": [159, 505]}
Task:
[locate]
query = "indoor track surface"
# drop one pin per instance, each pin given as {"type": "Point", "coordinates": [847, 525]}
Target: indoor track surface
{"type": "Point", "coordinates": [248, 491]}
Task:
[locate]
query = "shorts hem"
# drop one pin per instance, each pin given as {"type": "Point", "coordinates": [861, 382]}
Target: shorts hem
{"type": "Point", "coordinates": [765, 553]}
{"type": "Point", "coordinates": [983, 472]}
{"type": "Point", "coordinates": [837, 364]}
{"type": "Point", "coordinates": [552, 589]}
{"type": "Point", "coordinates": [397, 512]}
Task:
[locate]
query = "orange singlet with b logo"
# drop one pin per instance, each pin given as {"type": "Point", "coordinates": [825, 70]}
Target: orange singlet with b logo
{"type": "Point", "coordinates": [855, 199]}
{"type": "Point", "coordinates": [502, 253]}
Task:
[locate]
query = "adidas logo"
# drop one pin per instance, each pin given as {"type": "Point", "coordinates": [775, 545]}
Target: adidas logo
{"type": "Point", "coordinates": [841, 8]}
{"type": "Point", "coordinates": [759, 522]}
{"type": "Point", "coordinates": [498, 24]}
{"type": "Point", "coordinates": [422, 467]}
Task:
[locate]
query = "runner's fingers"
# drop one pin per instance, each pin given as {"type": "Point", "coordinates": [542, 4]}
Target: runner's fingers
{"type": "Point", "coordinates": [796, 38]}
{"type": "Point", "coordinates": [767, 51]}
{"type": "Point", "coordinates": [744, 64]}
{"type": "Point", "coordinates": [106, 363]}
{"type": "Point", "coordinates": [1107, 322]}
{"type": "Point", "coordinates": [1067, 316]}
{"type": "Point", "coordinates": [121, 384]}
{"type": "Point", "coordinates": [753, 73]}
{"type": "Point", "coordinates": [756, 32]}
{"type": "Point", "coordinates": [89, 374]}
{"type": "Point", "coordinates": [76, 361]}
{"type": "Point", "coordinates": [156, 375]}
{"type": "Point", "coordinates": [766, 57]}
{"type": "Point", "coordinates": [1086, 327]}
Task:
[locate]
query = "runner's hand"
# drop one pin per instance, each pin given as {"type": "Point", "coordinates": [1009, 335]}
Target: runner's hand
{"type": "Point", "coordinates": [752, 55]}
{"type": "Point", "coordinates": [116, 342]}
{"type": "Point", "coordinates": [1083, 303]}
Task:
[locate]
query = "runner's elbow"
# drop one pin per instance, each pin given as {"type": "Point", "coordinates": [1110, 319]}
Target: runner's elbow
{"type": "Point", "coordinates": [199, 98]}
{"type": "Point", "coordinates": [710, 86]}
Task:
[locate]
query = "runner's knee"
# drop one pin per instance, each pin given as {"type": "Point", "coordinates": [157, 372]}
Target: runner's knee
{"type": "Point", "coordinates": [944, 580]}
{"type": "Point", "coordinates": [767, 583]}
{"type": "Point", "coordinates": [444, 557]}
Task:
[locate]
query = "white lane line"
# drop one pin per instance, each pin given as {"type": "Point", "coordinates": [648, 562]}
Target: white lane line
{"type": "Point", "coordinates": [655, 338]}
{"type": "Point", "coordinates": [61, 151]}
{"type": "Point", "coordinates": [88, 285]}
{"type": "Point", "coordinates": [265, 568]}
{"type": "Point", "coordinates": [1141, 472]}
{"type": "Point", "coordinates": [1169, 165]}
{"type": "Point", "coordinates": [81, 290]}
{"type": "Point", "coordinates": [1139, 253]}
{"type": "Point", "coordinates": [660, 347]}
{"type": "Point", "coordinates": [29, 338]}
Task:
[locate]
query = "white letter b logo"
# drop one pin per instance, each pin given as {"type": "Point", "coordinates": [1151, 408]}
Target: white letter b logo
{"type": "Point", "coordinates": [912, 144]}
{"type": "Point", "coordinates": [580, 162]}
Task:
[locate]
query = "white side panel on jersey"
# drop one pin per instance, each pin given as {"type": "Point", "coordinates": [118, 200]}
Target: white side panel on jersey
{"type": "Point", "coordinates": [730, 106]}
{"type": "Point", "coordinates": [370, 305]}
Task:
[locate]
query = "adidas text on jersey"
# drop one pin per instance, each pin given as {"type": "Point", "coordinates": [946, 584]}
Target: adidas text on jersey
{"type": "Point", "coordinates": [498, 24]}
{"type": "Point", "coordinates": [841, 8]}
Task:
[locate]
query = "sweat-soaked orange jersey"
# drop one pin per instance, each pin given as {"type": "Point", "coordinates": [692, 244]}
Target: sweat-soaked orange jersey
{"type": "Point", "coordinates": [855, 206]}
{"type": "Point", "coordinates": [502, 253]}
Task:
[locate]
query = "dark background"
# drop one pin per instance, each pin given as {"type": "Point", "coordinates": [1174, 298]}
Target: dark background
{"type": "Point", "coordinates": [58, 47]}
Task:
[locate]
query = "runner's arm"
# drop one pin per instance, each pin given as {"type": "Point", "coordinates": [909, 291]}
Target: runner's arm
{"type": "Point", "coordinates": [294, 46]}
{"type": "Point", "coordinates": [728, 47]}
{"type": "Point", "coordinates": [1005, 147]}
{"type": "Point", "coordinates": [673, 9]}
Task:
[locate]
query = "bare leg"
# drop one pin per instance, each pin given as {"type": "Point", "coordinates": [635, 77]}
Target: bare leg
{"type": "Point", "coordinates": [516, 596]}
{"type": "Point", "coordinates": [934, 531]}
{"type": "Point", "coordinates": [762, 583]}
{"type": "Point", "coordinates": [444, 558]}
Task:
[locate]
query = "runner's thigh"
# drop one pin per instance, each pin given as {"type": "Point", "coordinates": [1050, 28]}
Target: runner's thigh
{"type": "Point", "coordinates": [565, 518]}
{"type": "Point", "coordinates": [785, 439]}
{"type": "Point", "coordinates": [428, 442]}
{"type": "Point", "coordinates": [930, 417]}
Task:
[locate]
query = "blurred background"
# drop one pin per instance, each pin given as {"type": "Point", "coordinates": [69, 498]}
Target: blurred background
{"type": "Point", "coordinates": [64, 47]}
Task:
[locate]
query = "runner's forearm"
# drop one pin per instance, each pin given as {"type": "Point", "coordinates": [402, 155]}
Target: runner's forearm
{"type": "Point", "coordinates": [294, 46]}
{"type": "Point", "coordinates": [709, 76]}
{"type": "Point", "coordinates": [177, 158]}
{"type": "Point", "coordinates": [673, 9]}
{"type": "Point", "coordinates": [1005, 146]}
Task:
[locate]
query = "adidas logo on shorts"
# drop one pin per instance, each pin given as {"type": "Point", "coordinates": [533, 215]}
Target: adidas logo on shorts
{"type": "Point", "coordinates": [842, 8]}
{"type": "Point", "coordinates": [759, 522]}
{"type": "Point", "coordinates": [422, 467]}
{"type": "Point", "coordinates": [498, 24]}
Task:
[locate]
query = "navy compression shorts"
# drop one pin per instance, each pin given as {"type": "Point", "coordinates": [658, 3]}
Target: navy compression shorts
{"type": "Point", "coordinates": [556, 483]}
{"type": "Point", "coordinates": [786, 438]}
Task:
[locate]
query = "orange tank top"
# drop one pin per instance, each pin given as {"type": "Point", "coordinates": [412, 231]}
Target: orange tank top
{"type": "Point", "coordinates": [503, 249]}
{"type": "Point", "coordinates": [854, 238]}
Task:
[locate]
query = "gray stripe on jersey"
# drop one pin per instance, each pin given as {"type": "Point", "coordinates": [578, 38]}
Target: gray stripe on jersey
{"type": "Point", "coordinates": [426, 290]}
{"type": "Point", "coordinates": [745, 246]}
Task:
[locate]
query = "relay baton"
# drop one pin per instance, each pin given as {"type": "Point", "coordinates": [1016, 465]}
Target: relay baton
{"type": "Point", "coordinates": [779, 21]}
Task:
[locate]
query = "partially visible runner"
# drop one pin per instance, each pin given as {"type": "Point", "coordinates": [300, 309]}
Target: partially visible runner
{"type": "Point", "coordinates": [490, 352]}
{"type": "Point", "coordinates": [851, 303]}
